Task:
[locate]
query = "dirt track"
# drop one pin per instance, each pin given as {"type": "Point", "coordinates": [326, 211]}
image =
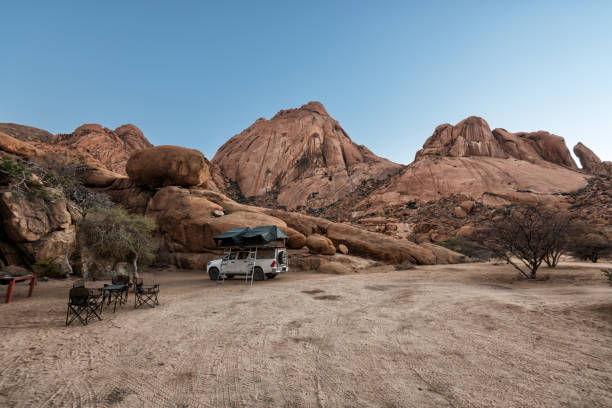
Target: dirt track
{"type": "Point", "coordinates": [457, 336]}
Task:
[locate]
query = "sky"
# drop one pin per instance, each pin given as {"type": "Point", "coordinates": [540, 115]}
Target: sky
{"type": "Point", "coordinates": [195, 73]}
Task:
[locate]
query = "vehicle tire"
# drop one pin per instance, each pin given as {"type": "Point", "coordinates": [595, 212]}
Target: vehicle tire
{"type": "Point", "coordinates": [271, 275]}
{"type": "Point", "coordinates": [213, 273]}
{"type": "Point", "coordinates": [258, 274]}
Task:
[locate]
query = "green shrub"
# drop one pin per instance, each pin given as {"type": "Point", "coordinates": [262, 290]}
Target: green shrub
{"type": "Point", "coordinates": [467, 247]}
{"type": "Point", "coordinates": [48, 268]}
{"type": "Point", "coordinates": [114, 234]}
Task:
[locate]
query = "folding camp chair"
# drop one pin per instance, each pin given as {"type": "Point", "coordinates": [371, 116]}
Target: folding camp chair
{"type": "Point", "coordinates": [82, 305]}
{"type": "Point", "coordinates": [96, 303]}
{"type": "Point", "coordinates": [145, 294]}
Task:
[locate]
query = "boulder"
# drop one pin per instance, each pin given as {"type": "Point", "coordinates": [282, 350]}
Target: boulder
{"type": "Point", "coordinates": [459, 212]}
{"type": "Point", "coordinates": [343, 249]}
{"type": "Point", "coordinates": [466, 231]}
{"type": "Point", "coordinates": [378, 246]}
{"type": "Point", "coordinates": [444, 255]}
{"type": "Point", "coordinates": [168, 166]}
{"type": "Point", "coordinates": [467, 205]}
{"type": "Point", "coordinates": [318, 244]}
{"type": "Point", "coordinates": [129, 195]}
{"type": "Point", "coordinates": [53, 245]}
{"type": "Point", "coordinates": [297, 240]}
{"type": "Point", "coordinates": [421, 238]}
{"type": "Point", "coordinates": [335, 268]}
{"type": "Point", "coordinates": [28, 219]}
{"type": "Point", "coordinates": [17, 147]}
{"type": "Point", "coordinates": [305, 224]}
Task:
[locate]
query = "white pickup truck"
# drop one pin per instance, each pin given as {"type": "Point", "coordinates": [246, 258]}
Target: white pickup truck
{"type": "Point", "coordinates": [264, 262]}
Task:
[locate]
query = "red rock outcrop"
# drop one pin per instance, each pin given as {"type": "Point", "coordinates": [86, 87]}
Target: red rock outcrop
{"type": "Point", "coordinates": [303, 155]}
{"type": "Point", "coordinates": [591, 163]}
{"type": "Point", "coordinates": [101, 147]}
{"type": "Point", "coordinates": [162, 166]}
{"type": "Point", "coordinates": [11, 145]}
{"type": "Point", "coordinates": [472, 137]}
{"type": "Point", "coordinates": [36, 229]}
{"type": "Point", "coordinates": [493, 168]}
{"type": "Point", "coordinates": [25, 133]}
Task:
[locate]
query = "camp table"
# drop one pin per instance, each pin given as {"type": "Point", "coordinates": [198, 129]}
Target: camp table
{"type": "Point", "coordinates": [114, 294]}
{"type": "Point", "coordinates": [11, 279]}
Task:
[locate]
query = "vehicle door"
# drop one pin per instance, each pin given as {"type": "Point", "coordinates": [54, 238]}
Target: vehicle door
{"type": "Point", "coordinates": [242, 261]}
{"type": "Point", "coordinates": [230, 263]}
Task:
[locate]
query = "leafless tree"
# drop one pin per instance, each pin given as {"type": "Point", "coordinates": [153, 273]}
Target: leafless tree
{"type": "Point", "coordinates": [525, 236]}
{"type": "Point", "coordinates": [590, 243]}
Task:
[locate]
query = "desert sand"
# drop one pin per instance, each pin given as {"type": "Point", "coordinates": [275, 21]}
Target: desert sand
{"type": "Point", "coordinates": [471, 335]}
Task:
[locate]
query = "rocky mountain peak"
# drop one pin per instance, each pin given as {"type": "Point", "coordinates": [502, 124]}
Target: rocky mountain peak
{"type": "Point", "coordinates": [301, 156]}
{"type": "Point", "coordinates": [306, 109]}
{"type": "Point", "coordinates": [470, 137]}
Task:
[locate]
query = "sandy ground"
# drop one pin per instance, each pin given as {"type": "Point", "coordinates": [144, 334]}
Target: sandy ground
{"type": "Point", "coordinates": [456, 336]}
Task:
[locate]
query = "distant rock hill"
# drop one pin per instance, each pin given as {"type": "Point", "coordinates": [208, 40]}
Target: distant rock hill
{"type": "Point", "coordinates": [470, 163]}
{"type": "Point", "coordinates": [302, 161]}
{"type": "Point", "coordinates": [92, 144]}
{"type": "Point", "coordinates": [302, 157]}
{"type": "Point", "coordinates": [495, 167]}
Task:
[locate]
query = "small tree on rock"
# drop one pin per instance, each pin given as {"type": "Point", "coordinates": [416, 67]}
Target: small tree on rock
{"type": "Point", "coordinates": [114, 234]}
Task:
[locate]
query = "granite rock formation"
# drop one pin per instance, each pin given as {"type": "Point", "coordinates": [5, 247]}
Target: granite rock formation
{"type": "Point", "coordinates": [162, 166]}
{"type": "Point", "coordinates": [301, 155]}
{"type": "Point", "coordinates": [591, 163]}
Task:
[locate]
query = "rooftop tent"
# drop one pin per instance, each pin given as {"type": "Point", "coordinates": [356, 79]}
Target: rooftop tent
{"type": "Point", "coordinates": [231, 237]}
{"type": "Point", "coordinates": [263, 235]}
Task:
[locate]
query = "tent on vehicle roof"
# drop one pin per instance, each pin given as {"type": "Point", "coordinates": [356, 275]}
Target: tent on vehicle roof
{"type": "Point", "coordinates": [261, 235]}
{"type": "Point", "coordinates": [231, 237]}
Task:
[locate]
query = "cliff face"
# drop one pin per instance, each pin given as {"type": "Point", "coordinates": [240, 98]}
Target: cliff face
{"type": "Point", "coordinates": [302, 155]}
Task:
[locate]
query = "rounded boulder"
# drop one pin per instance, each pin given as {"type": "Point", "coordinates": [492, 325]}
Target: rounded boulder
{"type": "Point", "coordinates": [162, 166]}
{"type": "Point", "coordinates": [318, 244]}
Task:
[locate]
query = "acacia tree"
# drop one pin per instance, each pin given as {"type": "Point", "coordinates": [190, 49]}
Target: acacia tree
{"type": "Point", "coordinates": [114, 234]}
{"type": "Point", "coordinates": [525, 236]}
{"type": "Point", "coordinates": [562, 227]}
{"type": "Point", "coordinates": [591, 244]}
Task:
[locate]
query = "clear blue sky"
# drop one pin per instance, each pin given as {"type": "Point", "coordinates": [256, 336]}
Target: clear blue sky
{"type": "Point", "coordinates": [196, 73]}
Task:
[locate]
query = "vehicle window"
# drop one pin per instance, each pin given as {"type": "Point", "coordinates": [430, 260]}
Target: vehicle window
{"type": "Point", "coordinates": [243, 255]}
{"type": "Point", "coordinates": [265, 254]}
{"type": "Point", "coordinates": [232, 256]}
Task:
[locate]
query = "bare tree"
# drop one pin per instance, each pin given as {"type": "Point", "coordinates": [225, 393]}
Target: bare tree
{"type": "Point", "coordinates": [590, 243]}
{"type": "Point", "coordinates": [562, 227]}
{"type": "Point", "coordinates": [524, 236]}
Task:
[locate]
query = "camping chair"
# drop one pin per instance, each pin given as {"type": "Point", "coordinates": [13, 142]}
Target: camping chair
{"type": "Point", "coordinates": [145, 294]}
{"type": "Point", "coordinates": [96, 302]}
{"type": "Point", "coordinates": [82, 305]}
